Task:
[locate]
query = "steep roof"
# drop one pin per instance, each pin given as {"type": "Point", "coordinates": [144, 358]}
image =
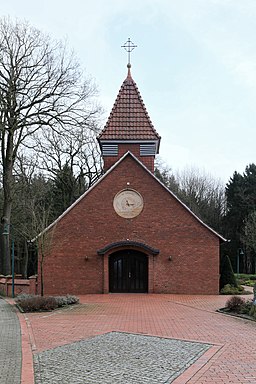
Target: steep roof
{"type": "Point", "coordinates": [106, 174]}
{"type": "Point", "coordinates": [129, 119]}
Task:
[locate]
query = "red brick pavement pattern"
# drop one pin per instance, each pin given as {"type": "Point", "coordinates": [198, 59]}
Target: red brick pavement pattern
{"type": "Point", "coordinates": [27, 371]}
{"type": "Point", "coordinates": [183, 317]}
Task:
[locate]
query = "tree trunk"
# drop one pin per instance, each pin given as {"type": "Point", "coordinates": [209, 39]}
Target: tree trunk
{"type": "Point", "coordinates": [42, 277]}
{"type": "Point", "coordinates": [7, 160]}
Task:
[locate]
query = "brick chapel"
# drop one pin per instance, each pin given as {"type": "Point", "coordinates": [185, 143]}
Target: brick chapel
{"type": "Point", "coordinates": [128, 232]}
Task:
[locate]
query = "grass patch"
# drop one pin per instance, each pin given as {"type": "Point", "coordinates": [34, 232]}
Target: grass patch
{"type": "Point", "coordinates": [246, 279]}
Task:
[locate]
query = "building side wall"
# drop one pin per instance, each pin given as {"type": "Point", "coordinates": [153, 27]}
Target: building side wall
{"type": "Point", "coordinates": [72, 265]}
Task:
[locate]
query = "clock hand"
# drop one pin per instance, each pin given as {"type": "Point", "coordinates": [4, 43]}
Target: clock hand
{"type": "Point", "coordinates": [129, 204]}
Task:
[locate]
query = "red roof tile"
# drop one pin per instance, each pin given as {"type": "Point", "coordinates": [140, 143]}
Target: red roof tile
{"type": "Point", "coordinates": [129, 119]}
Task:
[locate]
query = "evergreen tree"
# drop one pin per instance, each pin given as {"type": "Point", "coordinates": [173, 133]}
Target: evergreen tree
{"type": "Point", "coordinates": [66, 189]}
{"type": "Point", "coordinates": [241, 203]}
{"type": "Point", "coordinates": [227, 274]}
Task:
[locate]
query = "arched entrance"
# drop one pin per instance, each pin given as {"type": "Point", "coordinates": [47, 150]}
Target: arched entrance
{"type": "Point", "coordinates": [128, 272]}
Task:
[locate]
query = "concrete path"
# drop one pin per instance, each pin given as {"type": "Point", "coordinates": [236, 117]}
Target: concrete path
{"type": "Point", "coordinates": [10, 345]}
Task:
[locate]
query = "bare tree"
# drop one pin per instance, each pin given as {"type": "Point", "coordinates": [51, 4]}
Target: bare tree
{"type": "Point", "coordinates": [76, 148]}
{"type": "Point", "coordinates": [165, 174]}
{"type": "Point", "coordinates": [201, 192]}
{"type": "Point", "coordinates": [41, 88]}
{"type": "Point", "coordinates": [31, 189]}
{"type": "Point", "coordinates": [43, 239]}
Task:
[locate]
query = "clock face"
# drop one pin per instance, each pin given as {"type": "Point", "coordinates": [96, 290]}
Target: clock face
{"type": "Point", "coordinates": [128, 203]}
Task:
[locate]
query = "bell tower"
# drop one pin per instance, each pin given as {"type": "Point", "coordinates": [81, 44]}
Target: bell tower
{"type": "Point", "coordinates": [129, 127]}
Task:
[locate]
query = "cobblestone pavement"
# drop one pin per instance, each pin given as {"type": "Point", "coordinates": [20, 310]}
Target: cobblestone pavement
{"type": "Point", "coordinates": [117, 358]}
{"type": "Point", "coordinates": [190, 318]}
{"type": "Point", "coordinates": [10, 345]}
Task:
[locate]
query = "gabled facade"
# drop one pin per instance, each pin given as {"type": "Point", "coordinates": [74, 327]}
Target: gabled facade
{"type": "Point", "coordinates": [128, 232]}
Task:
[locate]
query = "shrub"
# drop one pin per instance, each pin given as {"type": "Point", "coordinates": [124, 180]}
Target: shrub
{"type": "Point", "coordinates": [246, 307]}
{"type": "Point", "coordinates": [24, 296]}
{"type": "Point", "coordinates": [66, 300]}
{"type": "Point", "coordinates": [32, 303]}
{"type": "Point", "coordinates": [253, 311]}
{"type": "Point", "coordinates": [37, 303]}
{"type": "Point", "coordinates": [229, 289]}
{"type": "Point", "coordinates": [235, 303]}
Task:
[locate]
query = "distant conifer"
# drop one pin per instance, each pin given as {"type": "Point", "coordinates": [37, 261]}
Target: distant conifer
{"type": "Point", "coordinates": [227, 275]}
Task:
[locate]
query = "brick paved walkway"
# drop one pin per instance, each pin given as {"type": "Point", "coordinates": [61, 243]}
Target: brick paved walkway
{"type": "Point", "coordinates": [191, 318]}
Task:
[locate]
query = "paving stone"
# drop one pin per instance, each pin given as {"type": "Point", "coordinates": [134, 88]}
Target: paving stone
{"type": "Point", "coordinates": [231, 359]}
{"type": "Point", "coordinates": [117, 358]}
{"type": "Point", "coordinates": [10, 345]}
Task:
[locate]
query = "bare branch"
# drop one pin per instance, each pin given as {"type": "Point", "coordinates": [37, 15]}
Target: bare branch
{"type": "Point", "coordinates": [42, 90]}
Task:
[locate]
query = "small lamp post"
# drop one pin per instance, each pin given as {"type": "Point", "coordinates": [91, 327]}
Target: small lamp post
{"type": "Point", "coordinates": [13, 286]}
{"type": "Point", "coordinates": [240, 252]}
{"type": "Point", "coordinates": [6, 232]}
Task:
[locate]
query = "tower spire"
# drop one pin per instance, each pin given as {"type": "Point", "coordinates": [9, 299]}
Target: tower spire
{"type": "Point", "coordinates": [129, 127]}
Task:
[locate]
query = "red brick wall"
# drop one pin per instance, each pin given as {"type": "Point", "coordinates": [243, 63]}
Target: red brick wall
{"type": "Point", "coordinates": [148, 161]}
{"type": "Point", "coordinates": [28, 286]}
{"type": "Point", "coordinates": [73, 265]}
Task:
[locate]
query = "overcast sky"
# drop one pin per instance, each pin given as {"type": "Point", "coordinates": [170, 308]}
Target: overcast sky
{"type": "Point", "coordinates": [195, 67]}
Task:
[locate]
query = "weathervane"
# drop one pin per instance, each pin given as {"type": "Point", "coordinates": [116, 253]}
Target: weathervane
{"type": "Point", "coordinates": [129, 47]}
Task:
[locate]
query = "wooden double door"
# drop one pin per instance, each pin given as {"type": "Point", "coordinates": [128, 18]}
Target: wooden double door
{"type": "Point", "coordinates": [128, 272]}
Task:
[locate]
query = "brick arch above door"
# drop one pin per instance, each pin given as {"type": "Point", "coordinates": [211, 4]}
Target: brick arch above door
{"type": "Point", "coordinates": [126, 244]}
{"type": "Point", "coordinates": [111, 248]}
